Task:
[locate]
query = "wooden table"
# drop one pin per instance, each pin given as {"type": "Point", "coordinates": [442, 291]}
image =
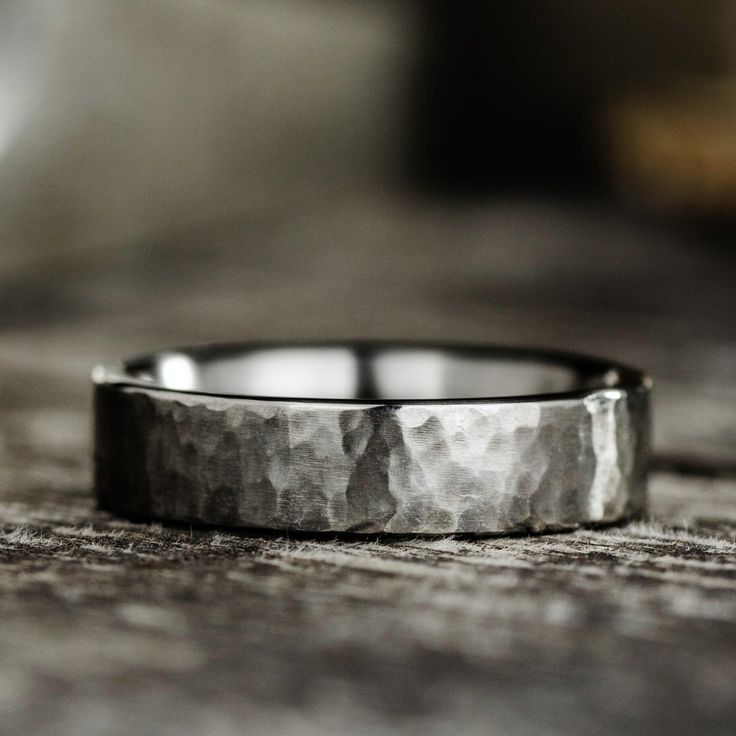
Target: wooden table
{"type": "Point", "coordinates": [111, 627]}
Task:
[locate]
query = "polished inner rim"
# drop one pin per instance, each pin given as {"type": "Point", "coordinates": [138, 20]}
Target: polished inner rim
{"type": "Point", "coordinates": [374, 372]}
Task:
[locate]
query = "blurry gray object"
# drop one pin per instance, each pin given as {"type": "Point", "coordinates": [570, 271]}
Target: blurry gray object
{"type": "Point", "coordinates": [119, 120]}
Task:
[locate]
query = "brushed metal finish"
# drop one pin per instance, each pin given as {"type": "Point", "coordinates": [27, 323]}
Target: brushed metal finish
{"type": "Point", "coordinates": [445, 466]}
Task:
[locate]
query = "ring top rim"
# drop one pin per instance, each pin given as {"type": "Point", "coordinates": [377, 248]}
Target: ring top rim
{"type": "Point", "coordinates": [621, 377]}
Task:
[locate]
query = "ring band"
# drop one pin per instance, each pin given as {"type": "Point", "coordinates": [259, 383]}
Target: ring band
{"type": "Point", "coordinates": [372, 437]}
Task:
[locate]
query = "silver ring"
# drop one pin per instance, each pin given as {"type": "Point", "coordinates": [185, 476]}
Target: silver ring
{"type": "Point", "coordinates": [372, 437]}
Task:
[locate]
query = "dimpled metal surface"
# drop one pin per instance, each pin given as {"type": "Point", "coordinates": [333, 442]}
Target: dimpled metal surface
{"type": "Point", "coordinates": [434, 468]}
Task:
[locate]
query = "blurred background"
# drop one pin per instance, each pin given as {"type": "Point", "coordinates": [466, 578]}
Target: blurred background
{"type": "Point", "coordinates": [553, 173]}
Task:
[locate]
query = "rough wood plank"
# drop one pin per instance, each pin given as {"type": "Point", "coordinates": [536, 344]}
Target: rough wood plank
{"type": "Point", "coordinates": [112, 627]}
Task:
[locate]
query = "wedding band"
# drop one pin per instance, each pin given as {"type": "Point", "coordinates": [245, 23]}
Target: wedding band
{"type": "Point", "coordinates": [372, 437]}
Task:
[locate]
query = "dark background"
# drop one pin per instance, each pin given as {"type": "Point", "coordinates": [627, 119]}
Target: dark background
{"type": "Point", "coordinates": [525, 95]}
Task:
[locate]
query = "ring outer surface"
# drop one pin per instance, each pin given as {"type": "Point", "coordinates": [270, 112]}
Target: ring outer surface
{"type": "Point", "coordinates": [469, 466]}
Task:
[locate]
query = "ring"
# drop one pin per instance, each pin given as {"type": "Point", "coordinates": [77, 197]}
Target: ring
{"type": "Point", "coordinates": [372, 437]}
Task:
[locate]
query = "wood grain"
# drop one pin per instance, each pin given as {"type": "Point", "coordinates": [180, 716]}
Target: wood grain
{"type": "Point", "coordinates": [114, 627]}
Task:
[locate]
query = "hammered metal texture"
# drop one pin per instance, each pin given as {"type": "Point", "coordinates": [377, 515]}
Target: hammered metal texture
{"type": "Point", "coordinates": [436, 468]}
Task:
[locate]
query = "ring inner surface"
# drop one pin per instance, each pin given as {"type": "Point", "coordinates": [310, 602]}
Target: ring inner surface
{"type": "Point", "coordinates": [381, 374]}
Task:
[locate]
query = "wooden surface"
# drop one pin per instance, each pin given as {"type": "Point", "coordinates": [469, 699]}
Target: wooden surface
{"type": "Point", "coordinates": [110, 627]}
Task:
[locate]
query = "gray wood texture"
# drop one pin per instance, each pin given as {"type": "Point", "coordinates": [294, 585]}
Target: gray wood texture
{"type": "Point", "coordinates": [114, 627]}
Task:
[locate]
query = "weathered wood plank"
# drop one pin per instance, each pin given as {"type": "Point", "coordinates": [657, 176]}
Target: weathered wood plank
{"type": "Point", "coordinates": [115, 627]}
